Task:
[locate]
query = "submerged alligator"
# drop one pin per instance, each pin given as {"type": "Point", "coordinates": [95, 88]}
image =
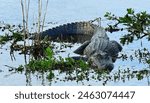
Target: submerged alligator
{"type": "Point", "coordinates": [96, 44]}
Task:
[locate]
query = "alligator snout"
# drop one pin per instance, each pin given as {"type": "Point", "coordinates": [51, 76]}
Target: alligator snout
{"type": "Point", "coordinates": [102, 61]}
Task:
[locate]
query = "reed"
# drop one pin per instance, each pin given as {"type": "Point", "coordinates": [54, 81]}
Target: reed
{"type": "Point", "coordinates": [41, 19]}
{"type": "Point", "coordinates": [25, 11]}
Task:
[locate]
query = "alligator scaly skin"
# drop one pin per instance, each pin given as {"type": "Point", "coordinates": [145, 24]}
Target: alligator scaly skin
{"type": "Point", "coordinates": [71, 32]}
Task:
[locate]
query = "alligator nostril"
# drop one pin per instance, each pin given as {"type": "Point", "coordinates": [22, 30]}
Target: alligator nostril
{"type": "Point", "coordinates": [109, 67]}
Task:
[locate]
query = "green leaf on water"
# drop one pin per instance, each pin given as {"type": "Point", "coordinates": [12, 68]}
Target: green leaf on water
{"type": "Point", "coordinates": [49, 52]}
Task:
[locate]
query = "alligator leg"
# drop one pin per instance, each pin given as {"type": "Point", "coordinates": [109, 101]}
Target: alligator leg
{"type": "Point", "coordinates": [81, 49]}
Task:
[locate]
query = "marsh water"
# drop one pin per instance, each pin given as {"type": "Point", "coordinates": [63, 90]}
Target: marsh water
{"type": "Point", "coordinates": [66, 11]}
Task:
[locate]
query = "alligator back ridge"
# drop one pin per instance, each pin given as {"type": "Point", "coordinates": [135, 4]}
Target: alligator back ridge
{"type": "Point", "coordinates": [72, 32]}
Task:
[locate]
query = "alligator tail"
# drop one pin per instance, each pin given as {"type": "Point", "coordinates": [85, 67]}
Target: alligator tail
{"type": "Point", "coordinates": [71, 32]}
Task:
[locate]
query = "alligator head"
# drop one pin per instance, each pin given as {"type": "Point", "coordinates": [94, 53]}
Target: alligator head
{"type": "Point", "coordinates": [102, 61]}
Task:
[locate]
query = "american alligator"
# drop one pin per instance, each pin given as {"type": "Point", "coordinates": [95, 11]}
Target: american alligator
{"type": "Point", "coordinates": [96, 45]}
{"type": "Point", "coordinates": [71, 32]}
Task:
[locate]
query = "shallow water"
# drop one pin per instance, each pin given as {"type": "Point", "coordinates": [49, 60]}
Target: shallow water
{"type": "Point", "coordinates": [64, 11]}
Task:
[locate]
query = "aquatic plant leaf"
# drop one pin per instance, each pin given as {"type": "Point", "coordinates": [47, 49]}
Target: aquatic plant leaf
{"type": "Point", "coordinates": [49, 52]}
